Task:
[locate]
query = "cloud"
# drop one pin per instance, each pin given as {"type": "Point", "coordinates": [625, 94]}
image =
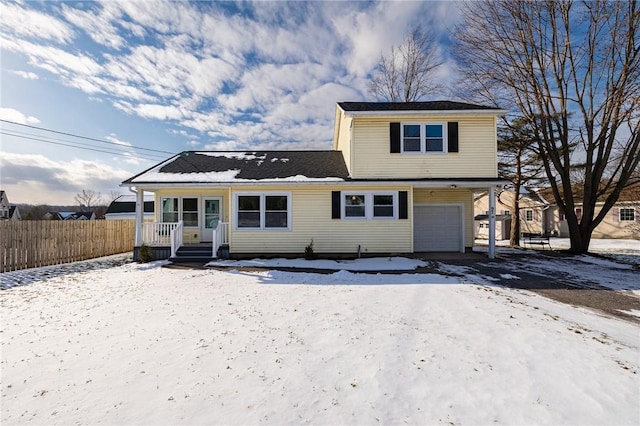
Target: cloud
{"type": "Point", "coordinates": [26, 75]}
{"type": "Point", "coordinates": [31, 23]}
{"type": "Point", "coordinates": [34, 178]}
{"type": "Point", "coordinates": [16, 116]}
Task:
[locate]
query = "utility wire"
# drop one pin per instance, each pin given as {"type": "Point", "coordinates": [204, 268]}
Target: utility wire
{"type": "Point", "coordinates": [83, 137]}
{"type": "Point", "coordinates": [36, 137]}
{"type": "Point", "coordinates": [124, 154]}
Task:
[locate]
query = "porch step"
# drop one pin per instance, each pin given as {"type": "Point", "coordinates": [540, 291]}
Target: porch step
{"type": "Point", "coordinates": [193, 253]}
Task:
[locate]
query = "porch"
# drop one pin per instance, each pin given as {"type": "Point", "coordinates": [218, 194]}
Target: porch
{"type": "Point", "coordinates": [168, 240]}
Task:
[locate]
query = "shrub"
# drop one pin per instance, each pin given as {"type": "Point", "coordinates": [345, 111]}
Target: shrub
{"type": "Point", "coordinates": [309, 254]}
{"type": "Point", "coordinates": [145, 254]}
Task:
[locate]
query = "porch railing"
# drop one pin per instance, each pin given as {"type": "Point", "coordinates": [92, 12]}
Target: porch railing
{"type": "Point", "coordinates": [220, 237]}
{"type": "Point", "coordinates": [158, 233]}
{"type": "Point", "coordinates": [176, 239]}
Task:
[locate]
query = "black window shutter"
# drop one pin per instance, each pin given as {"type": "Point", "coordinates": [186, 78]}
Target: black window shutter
{"type": "Point", "coordinates": [403, 208]}
{"type": "Point", "coordinates": [452, 134]}
{"type": "Point", "coordinates": [335, 204]}
{"type": "Point", "coordinates": [394, 135]}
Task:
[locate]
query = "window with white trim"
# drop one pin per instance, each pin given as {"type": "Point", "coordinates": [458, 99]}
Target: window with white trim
{"type": "Point", "coordinates": [169, 210]}
{"type": "Point", "coordinates": [528, 215]}
{"type": "Point", "coordinates": [369, 205]}
{"type": "Point", "coordinates": [627, 214]}
{"type": "Point", "coordinates": [190, 212]}
{"type": "Point", "coordinates": [424, 137]}
{"type": "Point", "coordinates": [260, 211]}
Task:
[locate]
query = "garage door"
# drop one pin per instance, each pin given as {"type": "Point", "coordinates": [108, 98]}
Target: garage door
{"type": "Point", "coordinates": [437, 228]}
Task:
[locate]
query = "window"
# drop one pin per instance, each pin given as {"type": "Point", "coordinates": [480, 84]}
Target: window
{"type": "Point", "coordinates": [190, 211]}
{"type": "Point", "coordinates": [579, 214]}
{"type": "Point", "coordinates": [627, 214]}
{"type": "Point", "coordinates": [248, 211]}
{"type": "Point", "coordinates": [354, 205]}
{"type": "Point", "coordinates": [382, 205]}
{"type": "Point", "coordinates": [275, 215]}
{"type": "Point", "coordinates": [528, 215]}
{"type": "Point", "coordinates": [263, 211]}
{"type": "Point", "coordinates": [561, 215]}
{"type": "Point", "coordinates": [411, 140]}
{"type": "Point", "coordinates": [506, 212]}
{"type": "Point", "coordinates": [369, 205]}
{"type": "Point", "coordinates": [169, 209]}
{"type": "Point", "coordinates": [422, 137]}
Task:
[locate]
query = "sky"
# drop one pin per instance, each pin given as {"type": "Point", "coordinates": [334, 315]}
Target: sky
{"type": "Point", "coordinates": [145, 79]}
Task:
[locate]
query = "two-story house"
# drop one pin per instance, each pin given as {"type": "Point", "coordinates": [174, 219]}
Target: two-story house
{"type": "Point", "coordinates": [7, 210]}
{"type": "Point", "coordinates": [399, 179]}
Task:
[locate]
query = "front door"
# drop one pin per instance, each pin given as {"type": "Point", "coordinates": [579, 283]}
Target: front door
{"type": "Point", "coordinates": [212, 209]}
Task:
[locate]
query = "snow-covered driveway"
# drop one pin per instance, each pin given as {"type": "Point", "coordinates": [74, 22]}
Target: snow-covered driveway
{"type": "Point", "coordinates": [149, 345]}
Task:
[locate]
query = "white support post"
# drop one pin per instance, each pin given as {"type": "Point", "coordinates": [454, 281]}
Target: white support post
{"type": "Point", "coordinates": [139, 215]}
{"type": "Point", "coordinates": [492, 222]}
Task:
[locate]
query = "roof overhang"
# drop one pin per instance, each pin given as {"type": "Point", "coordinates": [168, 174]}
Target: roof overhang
{"type": "Point", "coordinates": [474, 183]}
{"type": "Point", "coordinates": [466, 112]}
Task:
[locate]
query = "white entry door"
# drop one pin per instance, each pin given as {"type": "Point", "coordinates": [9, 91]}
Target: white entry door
{"type": "Point", "coordinates": [212, 210]}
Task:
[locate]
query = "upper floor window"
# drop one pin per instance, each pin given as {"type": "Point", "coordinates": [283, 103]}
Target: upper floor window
{"type": "Point", "coordinates": [627, 214]}
{"type": "Point", "coordinates": [423, 137]}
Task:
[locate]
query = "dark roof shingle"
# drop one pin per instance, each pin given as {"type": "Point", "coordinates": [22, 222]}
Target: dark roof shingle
{"type": "Point", "coordinates": [412, 106]}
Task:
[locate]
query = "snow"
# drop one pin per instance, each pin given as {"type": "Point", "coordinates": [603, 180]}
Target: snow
{"type": "Point", "coordinates": [371, 264]}
{"type": "Point", "coordinates": [155, 175]}
{"type": "Point", "coordinates": [141, 344]}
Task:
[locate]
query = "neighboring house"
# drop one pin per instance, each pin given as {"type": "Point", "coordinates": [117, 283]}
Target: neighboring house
{"type": "Point", "coordinates": [622, 221]}
{"type": "Point", "coordinates": [69, 216]}
{"type": "Point", "coordinates": [8, 211]}
{"type": "Point", "coordinates": [399, 179]}
{"type": "Point", "coordinates": [532, 212]}
{"type": "Point", "coordinates": [124, 207]}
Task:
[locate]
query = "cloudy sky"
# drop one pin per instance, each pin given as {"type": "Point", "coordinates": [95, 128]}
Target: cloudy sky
{"type": "Point", "coordinates": [145, 79]}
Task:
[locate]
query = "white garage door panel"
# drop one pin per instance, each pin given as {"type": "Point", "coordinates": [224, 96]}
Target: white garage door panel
{"type": "Point", "coordinates": [437, 228]}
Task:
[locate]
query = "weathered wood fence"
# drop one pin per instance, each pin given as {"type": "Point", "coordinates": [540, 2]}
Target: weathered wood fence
{"type": "Point", "coordinates": [29, 244]}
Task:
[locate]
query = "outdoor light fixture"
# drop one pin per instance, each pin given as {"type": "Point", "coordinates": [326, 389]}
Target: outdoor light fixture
{"type": "Point", "coordinates": [453, 186]}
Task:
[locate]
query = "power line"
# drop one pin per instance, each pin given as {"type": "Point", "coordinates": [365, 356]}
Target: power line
{"type": "Point", "coordinates": [49, 139]}
{"type": "Point", "coordinates": [84, 137]}
{"type": "Point", "coordinates": [71, 144]}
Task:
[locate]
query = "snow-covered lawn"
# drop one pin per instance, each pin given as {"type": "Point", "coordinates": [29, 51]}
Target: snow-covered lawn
{"type": "Point", "coordinates": [141, 344]}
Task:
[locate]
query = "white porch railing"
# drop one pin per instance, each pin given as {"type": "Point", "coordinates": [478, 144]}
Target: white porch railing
{"type": "Point", "coordinates": [158, 233]}
{"type": "Point", "coordinates": [176, 239]}
{"type": "Point", "coordinates": [220, 237]}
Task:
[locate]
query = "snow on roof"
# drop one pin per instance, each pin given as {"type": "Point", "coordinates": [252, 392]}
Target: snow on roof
{"type": "Point", "coordinates": [252, 166]}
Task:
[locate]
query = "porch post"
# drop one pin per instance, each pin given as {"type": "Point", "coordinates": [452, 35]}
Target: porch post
{"type": "Point", "coordinates": [492, 222]}
{"type": "Point", "coordinates": [139, 216]}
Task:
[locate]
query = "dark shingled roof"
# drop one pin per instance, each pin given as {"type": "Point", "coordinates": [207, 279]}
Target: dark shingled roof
{"type": "Point", "coordinates": [128, 207]}
{"type": "Point", "coordinates": [258, 165]}
{"type": "Point", "coordinates": [412, 106]}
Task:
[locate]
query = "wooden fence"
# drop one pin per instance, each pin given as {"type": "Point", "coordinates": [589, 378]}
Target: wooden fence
{"type": "Point", "coordinates": [29, 244]}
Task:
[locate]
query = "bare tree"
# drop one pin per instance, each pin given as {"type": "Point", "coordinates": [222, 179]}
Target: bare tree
{"type": "Point", "coordinates": [88, 199]}
{"type": "Point", "coordinates": [407, 73]}
{"type": "Point", "coordinates": [519, 162]}
{"type": "Point", "coordinates": [572, 69]}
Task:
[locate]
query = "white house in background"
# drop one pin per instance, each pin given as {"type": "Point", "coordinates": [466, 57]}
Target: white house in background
{"type": "Point", "coordinates": [399, 179]}
{"type": "Point", "coordinates": [124, 207]}
{"type": "Point", "coordinates": [8, 211]}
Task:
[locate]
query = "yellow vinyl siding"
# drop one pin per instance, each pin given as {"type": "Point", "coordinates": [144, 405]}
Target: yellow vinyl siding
{"type": "Point", "coordinates": [477, 156]}
{"type": "Point", "coordinates": [450, 196]}
{"type": "Point", "coordinates": [311, 219]}
{"type": "Point", "coordinates": [344, 139]}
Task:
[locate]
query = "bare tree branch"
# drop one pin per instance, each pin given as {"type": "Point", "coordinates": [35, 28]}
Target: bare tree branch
{"type": "Point", "coordinates": [407, 73]}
